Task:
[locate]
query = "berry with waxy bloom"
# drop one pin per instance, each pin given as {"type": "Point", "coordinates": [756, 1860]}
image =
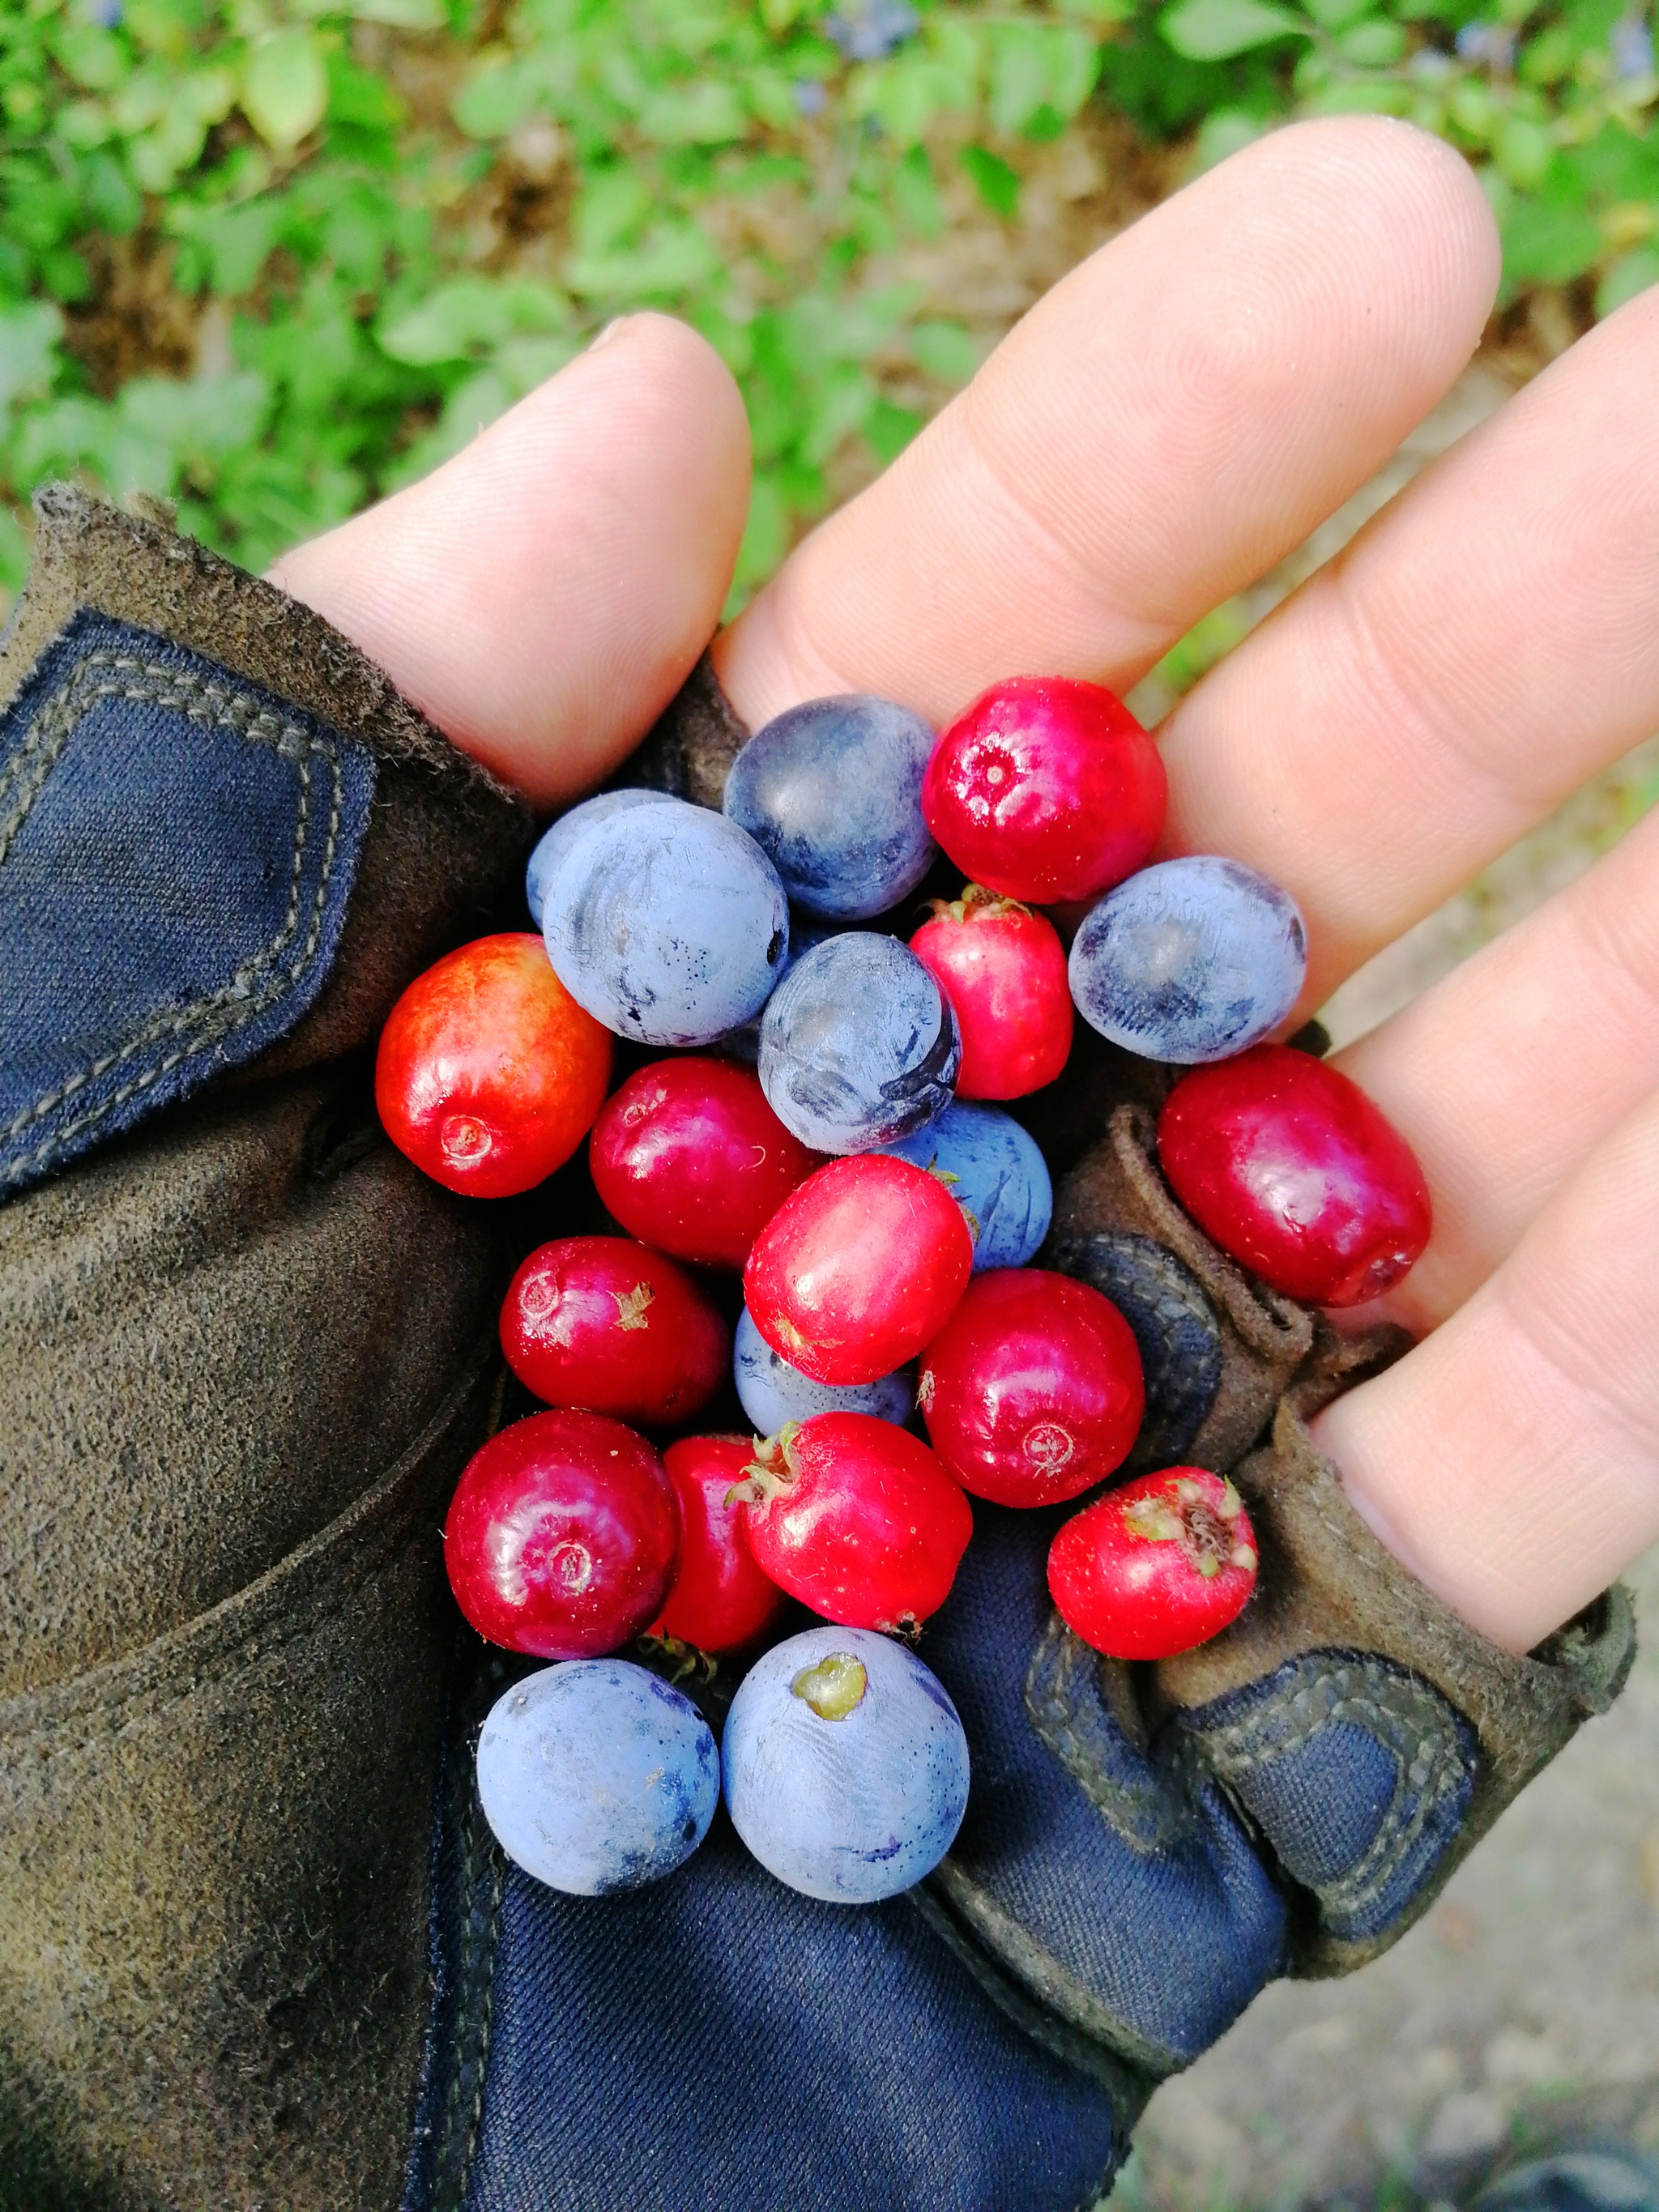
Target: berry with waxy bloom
{"type": "Point", "coordinates": [1032, 1391]}
{"type": "Point", "coordinates": [858, 1268]}
{"type": "Point", "coordinates": [563, 1536]}
{"type": "Point", "coordinates": [721, 1600]}
{"type": "Point", "coordinates": [1157, 1567]}
{"type": "Point", "coordinates": [1002, 968]}
{"type": "Point", "coordinates": [857, 1519]}
{"type": "Point", "coordinates": [488, 1073]}
{"type": "Point", "coordinates": [603, 1323]}
{"type": "Point", "coordinates": [1289, 1167]}
{"type": "Point", "coordinates": [1046, 789]}
{"type": "Point", "coordinates": [688, 1155]}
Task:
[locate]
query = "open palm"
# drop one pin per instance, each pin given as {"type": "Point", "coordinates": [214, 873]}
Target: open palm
{"type": "Point", "coordinates": [1157, 433]}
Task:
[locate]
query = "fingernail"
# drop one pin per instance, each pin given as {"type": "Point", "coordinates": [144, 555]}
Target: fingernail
{"type": "Point", "coordinates": [617, 323]}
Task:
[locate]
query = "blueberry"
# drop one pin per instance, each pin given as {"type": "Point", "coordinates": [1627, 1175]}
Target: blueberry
{"type": "Point", "coordinates": [595, 1776]}
{"type": "Point", "coordinates": [559, 839]}
{"type": "Point", "coordinates": [844, 1766]}
{"type": "Point", "coordinates": [772, 1392]}
{"type": "Point", "coordinates": [997, 1170]}
{"type": "Point", "coordinates": [668, 923]}
{"type": "Point", "coordinates": [1190, 961]}
{"type": "Point", "coordinates": [804, 932]}
{"type": "Point", "coordinates": [858, 1045]}
{"type": "Point", "coordinates": [831, 791]}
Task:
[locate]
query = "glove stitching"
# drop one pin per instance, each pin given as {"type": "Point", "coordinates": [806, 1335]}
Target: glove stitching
{"type": "Point", "coordinates": [480, 1927]}
{"type": "Point", "coordinates": [219, 1014]}
{"type": "Point", "coordinates": [1159, 1799]}
{"type": "Point", "coordinates": [1404, 1718]}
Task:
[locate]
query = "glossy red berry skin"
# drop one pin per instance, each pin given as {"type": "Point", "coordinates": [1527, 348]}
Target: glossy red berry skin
{"type": "Point", "coordinates": [1032, 1392]}
{"type": "Point", "coordinates": [1002, 968]}
{"type": "Point", "coordinates": [490, 1074]}
{"type": "Point", "coordinates": [859, 1269]}
{"type": "Point", "coordinates": [563, 1536]}
{"type": "Point", "coordinates": [1046, 789]}
{"type": "Point", "coordinates": [603, 1323]}
{"type": "Point", "coordinates": [720, 1600]}
{"type": "Point", "coordinates": [1157, 1567]}
{"type": "Point", "coordinates": [858, 1520]}
{"type": "Point", "coordinates": [1289, 1168]}
{"type": "Point", "coordinates": [687, 1155]}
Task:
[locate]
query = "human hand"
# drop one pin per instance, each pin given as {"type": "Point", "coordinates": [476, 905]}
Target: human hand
{"type": "Point", "coordinates": [1165, 425]}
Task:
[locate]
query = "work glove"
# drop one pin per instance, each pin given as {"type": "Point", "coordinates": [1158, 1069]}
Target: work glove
{"type": "Point", "coordinates": [256, 1945]}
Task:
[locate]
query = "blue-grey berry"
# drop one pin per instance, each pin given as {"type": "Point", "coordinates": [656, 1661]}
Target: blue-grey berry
{"type": "Point", "coordinates": [595, 1776]}
{"type": "Point", "coordinates": [804, 932]}
{"type": "Point", "coordinates": [859, 1045]}
{"type": "Point", "coordinates": [844, 1765]}
{"type": "Point", "coordinates": [559, 838]}
{"type": "Point", "coordinates": [668, 923]}
{"type": "Point", "coordinates": [772, 1392]}
{"type": "Point", "coordinates": [995, 1169]}
{"type": "Point", "coordinates": [831, 791]}
{"type": "Point", "coordinates": [1190, 961]}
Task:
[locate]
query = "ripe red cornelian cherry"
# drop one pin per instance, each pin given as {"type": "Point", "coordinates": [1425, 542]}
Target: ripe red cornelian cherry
{"type": "Point", "coordinates": [1032, 1391]}
{"type": "Point", "coordinates": [1157, 1567]}
{"type": "Point", "coordinates": [1046, 789]}
{"type": "Point", "coordinates": [488, 1073]}
{"type": "Point", "coordinates": [720, 1600]}
{"type": "Point", "coordinates": [857, 1519]}
{"type": "Point", "coordinates": [688, 1155]}
{"type": "Point", "coordinates": [858, 1268]}
{"type": "Point", "coordinates": [563, 1536]}
{"type": "Point", "coordinates": [1289, 1168]}
{"type": "Point", "coordinates": [603, 1323]}
{"type": "Point", "coordinates": [1002, 968]}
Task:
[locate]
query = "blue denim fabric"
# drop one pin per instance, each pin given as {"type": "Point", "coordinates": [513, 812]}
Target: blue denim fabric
{"type": "Point", "coordinates": [177, 855]}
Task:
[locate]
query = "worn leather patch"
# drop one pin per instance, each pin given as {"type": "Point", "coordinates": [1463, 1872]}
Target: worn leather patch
{"type": "Point", "coordinates": [177, 848]}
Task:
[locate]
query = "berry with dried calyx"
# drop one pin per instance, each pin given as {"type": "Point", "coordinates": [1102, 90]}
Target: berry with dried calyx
{"type": "Point", "coordinates": [1157, 1567]}
{"type": "Point", "coordinates": [857, 1519]}
{"type": "Point", "coordinates": [720, 1600]}
{"type": "Point", "coordinates": [488, 1073]}
{"type": "Point", "coordinates": [1046, 789]}
{"type": "Point", "coordinates": [858, 1268]}
{"type": "Point", "coordinates": [603, 1323]}
{"type": "Point", "coordinates": [1002, 968]}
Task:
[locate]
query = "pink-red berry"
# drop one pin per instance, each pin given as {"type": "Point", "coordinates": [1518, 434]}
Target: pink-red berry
{"type": "Point", "coordinates": [720, 1600]}
{"type": "Point", "coordinates": [490, 1074]}
{"type": "Point", "coordinates": [858, 1268]}
{"type": "Point", "coordinates": [603, 1323]}
{"type": "Point", "coordinates": [1046, 789]}
{"type": "Point", "coordinates": [1032, 1391]}
{"type": "Point", "coordinates": [563, 1536]}
{"type": "Point", "coordinates": [1289, 1168]}
{"type": "Point", "coordinates": [1002, 968]}
{"type": "Point", "coordinates": [1157, 1567]}
{"type": "Point", "coordinates": [687, 1155]}
{"type": "Point", "coordinates": [857, 1519]}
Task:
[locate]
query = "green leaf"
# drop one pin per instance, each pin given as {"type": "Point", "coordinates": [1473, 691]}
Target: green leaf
{"type": "Point", "coordinates": [1545, 244]}
{"type": "Point", "coordinates": [207, 416]}
{"type": "Point", "coordinates": [28, 350]}
{"type": "Point", "coordinates": [468, 316]}
{"type": "Point", "coordinates": [945, 350]}
{"type": "Point", "coordinates": [497, 95]}
{"type": "Point", "coordinates": [765, 535]}
{"type": "Point", "coordinates": [1633, 274]}
{"type": "Point", "coordinates": [1372, 45]}
{"type": "Point", "coordinates": [1225, 131]}
{"type": "Point", "coordinates": [889, 429]}
{"type": "Point", "coordinates": [1215, 30]}
{"type": "Point", "coordinates": [1524, 150]}
{"type": "Point", "coordinates": [285, 89]}
{"type": "Point", "coordinates": [94, 58]}
{"type": "Point", "coordinates": [711, 113]}
{"type": "Point", "coordinates": [997, 185]}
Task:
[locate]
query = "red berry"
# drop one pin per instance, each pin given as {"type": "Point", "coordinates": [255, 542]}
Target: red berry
{"type": "Point", "coordinates": [1032, 1391]}
{"type": "Point", "coordinates": [1289, 1167]}
{"type": "Point", "coordinates": [688, 1155]}
{"type": "Point", "coordinates": [859, 1269]}
{"type": "Point", "coordinates": [857, 1519]}
{"type": "Point", "coordinates": [721, 1600]}
{"type": "Point", "coordinates": [490, 1073]}
{"type": "Point", "coordinates": [1002, 968]}
{"type": "Point", "coordinates": [562, 1535]}
{"type": "Point", "coordinates": [1046, 789]}
{"type": "Point", "coordinates": [603, 1323]}
{"type": "Point", "coordinates": [1157, 1567]}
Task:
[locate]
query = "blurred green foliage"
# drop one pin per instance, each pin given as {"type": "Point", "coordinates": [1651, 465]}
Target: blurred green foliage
{"type": "Point", "coordinates": [271, 257]}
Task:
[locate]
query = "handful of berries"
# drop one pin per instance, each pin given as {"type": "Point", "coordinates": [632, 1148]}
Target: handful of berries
{"type": "Point", "coordinates": [819, 1120]}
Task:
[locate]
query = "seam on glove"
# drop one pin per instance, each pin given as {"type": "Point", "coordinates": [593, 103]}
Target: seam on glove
{"type": "Point", "coordinates": [480, 1919]}
{"type": "Point", "coordinates": [1064, 1696]}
